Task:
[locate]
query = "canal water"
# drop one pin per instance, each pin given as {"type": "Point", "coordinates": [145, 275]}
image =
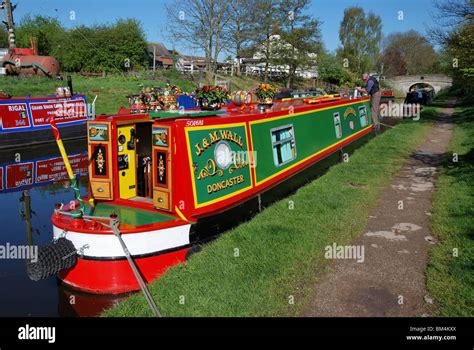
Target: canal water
{"type": "Point", "coordinates": [33, 179]}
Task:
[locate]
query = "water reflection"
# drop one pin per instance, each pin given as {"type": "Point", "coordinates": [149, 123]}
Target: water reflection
{"type": "Point", "coordinates": [32, 180]}
{"type": "Point", "coordinates": [73, 303]}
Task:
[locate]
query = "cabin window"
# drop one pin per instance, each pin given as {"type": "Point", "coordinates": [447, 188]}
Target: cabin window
{"type": "Point", "coordinates": [363, 116]}
{"type": "Point", "coordinates": [337, 124]}
{"type": "Point", "coordinates": [283, 144]}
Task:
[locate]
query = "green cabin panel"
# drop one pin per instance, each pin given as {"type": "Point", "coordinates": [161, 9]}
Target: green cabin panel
{"type": "Point", "coordinates": [312, 132]}
{"type": "Point", "coordinates": [220, 164]}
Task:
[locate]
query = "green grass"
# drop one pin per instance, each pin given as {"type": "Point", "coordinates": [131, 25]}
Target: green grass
{"type": "Point", "coordinates": [281, 250]}
{"type": "Point", "coordinates": [450, 279]}
{"type": "Point", "coordinates": [111, 89]}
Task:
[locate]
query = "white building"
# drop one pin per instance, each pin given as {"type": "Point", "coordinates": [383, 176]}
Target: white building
{"type": "Point", "coordinates": [256, 64]}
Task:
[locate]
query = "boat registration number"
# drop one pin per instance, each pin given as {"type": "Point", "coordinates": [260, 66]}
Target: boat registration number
{"type": "Point", "coordinates": [199, 122]}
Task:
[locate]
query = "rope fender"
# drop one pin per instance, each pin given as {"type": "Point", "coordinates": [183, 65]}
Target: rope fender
{"type": "Point", "coordinates": [51, 259]}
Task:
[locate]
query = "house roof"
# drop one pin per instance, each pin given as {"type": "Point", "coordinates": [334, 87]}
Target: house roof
{"type": "Point", "coordinates": [161, 50]}
{"type": "Point", "coordinates": [194, 58]}
{"type": "Point", "coordinates": [251, 60]}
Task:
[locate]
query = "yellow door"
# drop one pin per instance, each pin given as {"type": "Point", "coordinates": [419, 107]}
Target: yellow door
{"type": "Point", "coordinates": [126, 161]}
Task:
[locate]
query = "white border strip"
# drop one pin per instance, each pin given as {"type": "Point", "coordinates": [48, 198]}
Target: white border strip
{"type": "Point", "coordinates": [108, 246]}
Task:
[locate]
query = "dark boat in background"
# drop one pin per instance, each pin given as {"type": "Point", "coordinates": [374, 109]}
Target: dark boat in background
{"type": "Point", "coordinates": [421, 94]}
{"type": "Point", "coordinates": [25, 120]}
{"type": "Point", "coordinates": [40, 166]}
{"type": "Point", "coordinates": [41, 171]}
{"type": "Point", "coordinates": [32, 179]}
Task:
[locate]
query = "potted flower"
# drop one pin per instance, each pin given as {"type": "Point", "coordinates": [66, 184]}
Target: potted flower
{"type": "Point", "coordinates": [265, 93]}
{"type": "Point", "coordinates": [211, 98]}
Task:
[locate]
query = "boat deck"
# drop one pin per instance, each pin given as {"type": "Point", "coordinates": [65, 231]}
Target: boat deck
{"type": "Point", "coordinates": [131, 215]}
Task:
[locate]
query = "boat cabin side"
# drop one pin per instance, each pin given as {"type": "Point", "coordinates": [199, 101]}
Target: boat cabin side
{"type": "Point", "coordinates": [227, 159]}
{"type": "Point", "coordinates": [194, 166]}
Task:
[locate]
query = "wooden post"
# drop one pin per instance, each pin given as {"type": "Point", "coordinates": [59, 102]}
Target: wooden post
{"type": "Point", "coordinates": [10, 24]}
{"type": "Point", "coordinates": [154, 58]}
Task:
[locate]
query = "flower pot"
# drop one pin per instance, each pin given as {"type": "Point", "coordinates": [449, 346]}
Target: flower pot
{"type": "Point", "coordinates": [268, 101]}
{"type": "Point", "coordinates": [209, 106]}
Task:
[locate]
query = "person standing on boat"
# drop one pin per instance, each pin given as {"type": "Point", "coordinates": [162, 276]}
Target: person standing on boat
{"type": "Point", "coordinates": [372, 88]}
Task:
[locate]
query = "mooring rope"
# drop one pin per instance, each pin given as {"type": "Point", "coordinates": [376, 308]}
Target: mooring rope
{"type": "Point", "coordinates": [388, 126]}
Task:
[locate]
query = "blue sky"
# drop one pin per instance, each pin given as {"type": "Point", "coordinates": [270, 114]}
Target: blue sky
{"type": "Point", "coordinates": [151, 13]}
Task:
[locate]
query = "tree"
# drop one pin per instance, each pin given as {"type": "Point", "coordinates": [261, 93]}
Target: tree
{"type": "Point", "coordinates": [264, 26]}
{"type": "Point", "coordinates": [456, 34]}
{"type": "Point", "coordinates": [76, 53]}
{"type": "Point", "coordinates": [331, 71]}
{"type": "Point", "coordinates": [107, 48]}
{"type": "Point", "coordinates": [360, 36]}
{"type": "Point", "coordinates": [393, 63]}
{"type": "Point", "coordinates": [408, 53]}
{"type": "Point", "coordinates": [202, 26]}
{"type": "Point", "coordinates": [451, 15]}
{"type": "Point", "coordinates": [110, 48]}
{"type": "Point", "coordinates": [125, 41]}
{"type": "Point", "coordinates": [239, 28]}
{"type": "Point", "coordinates": [300, 38]}
{"type": "Point", "coordinates": [461, 64]}
{"type": "Point", "coordinates": [47, 31]}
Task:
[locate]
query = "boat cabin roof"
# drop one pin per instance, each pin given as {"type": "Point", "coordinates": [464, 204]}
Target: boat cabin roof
{"type": "Point", "coordinates": [230, 111]}
{"type": "Point", "coordinates": [8, 98]}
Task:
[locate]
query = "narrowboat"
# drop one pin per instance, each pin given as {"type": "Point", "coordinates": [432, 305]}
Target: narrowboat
{"type": "Point", "coordinates": [40, 166]}
{"type": "Point", "coordinates": [387, 96]}
{"type": "Point", "coordinates": [25, 120]}
{"type": "Point", "coordinates": [177, 179]}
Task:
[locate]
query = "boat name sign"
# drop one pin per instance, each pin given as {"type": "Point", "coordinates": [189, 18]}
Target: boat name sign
{"type": "Point", "coordinates": [219, 162]}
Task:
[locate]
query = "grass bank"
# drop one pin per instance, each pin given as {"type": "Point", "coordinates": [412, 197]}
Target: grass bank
{"type": "Point", "coordinates": [450, 276]}
{"type": "Point", "coordinates": [262, 266]}
{"type": "Point", "coordinates": [111, 89]}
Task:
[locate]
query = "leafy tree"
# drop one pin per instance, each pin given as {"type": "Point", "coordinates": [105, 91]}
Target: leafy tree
{"type": "Point", "coordinates": [330, 70]}
{"type": "Point", "coordinates": [459, 48]}
{"type": "Point", "coordinates": [393, 63]}
{"type": "Point", "coordinates": [76, 52]}
{"type": "Point", "coordinates": [408, 53]}
{"type": "Point", "coordinates": [456, 35]}
{"type": "Point", "coordinates": [110, 48]}
{"type": "Point", "coordinates": [360, 35]}
{"type": "Point", "coordinates": [300, 38]}
{"type": "Point", "coordinates": [125, 42]}
{"type": "Point", "coordinates": [265, 24]}
{"type": "Point", "coordinates": [239, 28]}
{"type": "Point", "coordinates": [47, 31]}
